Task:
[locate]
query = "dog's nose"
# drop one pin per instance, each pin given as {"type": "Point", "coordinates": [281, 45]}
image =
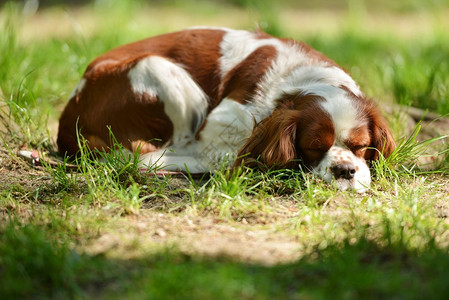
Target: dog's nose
{"type": "Point", "coordinates": [345, 171]}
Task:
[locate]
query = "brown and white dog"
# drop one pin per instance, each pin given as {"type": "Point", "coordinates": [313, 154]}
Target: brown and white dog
{"type": "Point", "coordinates": [214, 94]}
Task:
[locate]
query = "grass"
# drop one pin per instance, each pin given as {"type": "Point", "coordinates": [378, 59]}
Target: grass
{"type": "Point", "coordinates": [324, 273]}
{"type": "Point", "coordinates": [107, 230]}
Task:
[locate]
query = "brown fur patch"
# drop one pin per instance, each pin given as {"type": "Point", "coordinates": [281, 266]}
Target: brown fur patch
{"type": "Point", "coordinates": [241, 83]}
{"type": "Point", "coordinates": [108, 101]}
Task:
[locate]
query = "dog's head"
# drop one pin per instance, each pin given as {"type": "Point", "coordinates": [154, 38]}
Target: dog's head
{"type": "Point", "coordinates": [333, 135]}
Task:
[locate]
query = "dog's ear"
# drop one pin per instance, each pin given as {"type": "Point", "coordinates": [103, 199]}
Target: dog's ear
{"type": "Point", "coordinates": [381, 138]}
{"type": "Point", "coordinates": [272, 142]}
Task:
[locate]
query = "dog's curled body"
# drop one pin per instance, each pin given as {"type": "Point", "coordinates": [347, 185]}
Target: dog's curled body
{"type": "Point", "coordinates": [214, 94]}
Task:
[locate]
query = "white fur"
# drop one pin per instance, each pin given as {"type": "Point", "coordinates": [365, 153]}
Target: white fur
{"type": "Point", "coordinates": [237, 45]}
{"type": "Point", "coordinates": [320, 80]}
{"type": "Point", "coordinates": [272, 85]}
{"type": "Point", "coordinates": [227, 128]}
{"type": "Point", "coordinates": [343, 113]}
{"type": "Point", "coordinates": [362, 177]}
{"type": "Point", "coordinates": [185, 103]}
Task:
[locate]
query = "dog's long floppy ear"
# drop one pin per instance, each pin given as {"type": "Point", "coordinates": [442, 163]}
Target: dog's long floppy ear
{"type": "Point", "coordinates": [381, 137]}
{"type": "Point", "coordinates": [272, 142]}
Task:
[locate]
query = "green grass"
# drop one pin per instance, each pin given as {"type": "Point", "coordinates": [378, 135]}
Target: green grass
{"type": "Point", "coordinates": [327, 274]}
{"type": "Point", "coordinates": [354, 269]}
{"type": "Point", "coordinates": [107, 230]}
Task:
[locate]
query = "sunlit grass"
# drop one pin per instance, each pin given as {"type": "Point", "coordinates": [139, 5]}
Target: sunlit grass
{"type": "Point", "coordinates": [404, 159]}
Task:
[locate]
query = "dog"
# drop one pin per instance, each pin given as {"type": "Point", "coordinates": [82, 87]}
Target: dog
{"type": "Point", "coordinates": [197, 98]}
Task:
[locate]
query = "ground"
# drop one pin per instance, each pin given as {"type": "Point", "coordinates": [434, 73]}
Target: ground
{"type": "Point", "coordinates": [257, 237]}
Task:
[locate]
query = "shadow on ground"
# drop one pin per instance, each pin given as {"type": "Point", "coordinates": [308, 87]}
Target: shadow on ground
{"type": "Point", "coordinates": [32, 266]}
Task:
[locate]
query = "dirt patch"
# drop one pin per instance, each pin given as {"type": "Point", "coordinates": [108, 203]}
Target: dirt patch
{"type": "Point", "coordinates": [442, 204]}
{"type": "Point", "coordinates": [14, 172]}
{"type": "Point", "coordinates": [196, 235]}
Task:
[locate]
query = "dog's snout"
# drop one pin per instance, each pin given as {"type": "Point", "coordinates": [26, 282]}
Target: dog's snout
{"type": "Point", "coordinates": [344, 171]}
